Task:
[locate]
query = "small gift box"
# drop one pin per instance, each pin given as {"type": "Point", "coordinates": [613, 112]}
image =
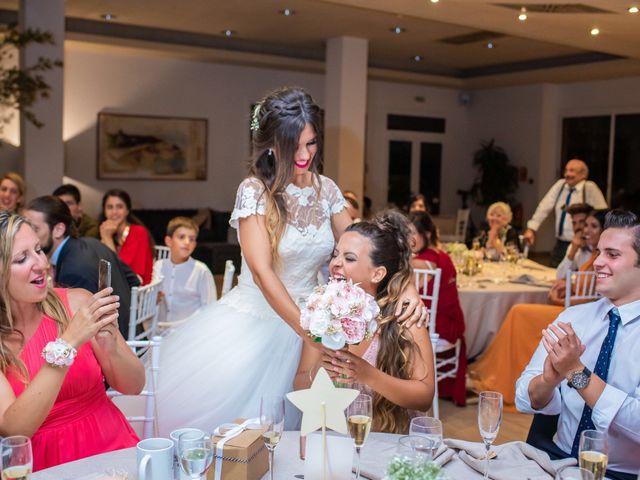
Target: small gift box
{"type": "Point", "coordinates": [239, 455]}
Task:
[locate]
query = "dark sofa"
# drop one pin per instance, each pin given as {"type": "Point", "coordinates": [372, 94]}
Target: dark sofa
{"type": "Point", "coordinates": [213, 248]}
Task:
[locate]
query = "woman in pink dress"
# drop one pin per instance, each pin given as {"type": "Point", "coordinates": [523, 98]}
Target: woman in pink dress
{"type": "Point", "coordinates": [396, 365]}
{"type": "Point", "coordinates": [123, 233]}
{"type": "Point", "coordinates": [58, 346]}
{"type": "Point", "coordinates": [449, 319]}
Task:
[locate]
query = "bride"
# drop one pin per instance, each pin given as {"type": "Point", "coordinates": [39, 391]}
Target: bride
{"type": "Point", "coordinates": [217, 366]}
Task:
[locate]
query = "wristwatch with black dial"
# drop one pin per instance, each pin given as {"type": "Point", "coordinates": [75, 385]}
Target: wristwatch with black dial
{"type": "Point", "coordinates": [579, 379]}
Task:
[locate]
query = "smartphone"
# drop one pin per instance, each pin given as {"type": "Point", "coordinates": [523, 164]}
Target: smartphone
{"type": "Point", "coordinates": [104, 275]}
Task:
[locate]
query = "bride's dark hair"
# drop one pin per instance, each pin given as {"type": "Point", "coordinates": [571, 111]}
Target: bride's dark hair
{"type": "Point", "coordinates": [278, 120]}
{"type": "Point", "coordinates": [389, 235]}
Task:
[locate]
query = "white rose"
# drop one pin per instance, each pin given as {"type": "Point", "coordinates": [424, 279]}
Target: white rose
{"type": "Point", "coordinates": [319, 322]}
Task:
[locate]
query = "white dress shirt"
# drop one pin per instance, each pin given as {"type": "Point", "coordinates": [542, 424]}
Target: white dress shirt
{"type": "Point", "coordinates": [581, 257]}
{"type": "Point", "coordinates": [617, 411]}
{"type": "Point", "coordinates": [586, 191]}
{"type": "Point", "coordinates": [186, 286]}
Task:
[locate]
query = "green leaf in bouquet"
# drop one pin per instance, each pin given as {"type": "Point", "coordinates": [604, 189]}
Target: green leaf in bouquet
{"type": "Point", "coordinates": [407, 469]}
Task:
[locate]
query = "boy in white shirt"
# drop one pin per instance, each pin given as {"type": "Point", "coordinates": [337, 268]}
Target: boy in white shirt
{"type": "Point", "coordinates": [187, 283]}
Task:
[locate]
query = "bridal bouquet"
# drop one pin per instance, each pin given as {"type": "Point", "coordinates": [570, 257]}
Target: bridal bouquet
{"type": "Point", "coordinates": [339, 313]}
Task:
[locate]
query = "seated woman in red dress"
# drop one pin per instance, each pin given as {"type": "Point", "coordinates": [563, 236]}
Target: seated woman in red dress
{"type": "Point", "coordinates": [449, 319]}
{"type": "Point", "coordinates": [58, 346]}
{"type": "Point", "coordinates": [123, 233]}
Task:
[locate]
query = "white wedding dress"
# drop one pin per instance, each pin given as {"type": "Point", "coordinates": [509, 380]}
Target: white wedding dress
{"type": "Point", "coordinates": [216, 366]}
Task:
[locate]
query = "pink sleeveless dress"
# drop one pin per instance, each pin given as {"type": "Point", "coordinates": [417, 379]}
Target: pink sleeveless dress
{"type": "Point", "coordinates": [83, 420]}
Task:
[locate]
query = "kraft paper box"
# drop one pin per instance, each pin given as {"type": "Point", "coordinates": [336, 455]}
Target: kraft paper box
{"type": "Point", "coordinates": [244, 457]}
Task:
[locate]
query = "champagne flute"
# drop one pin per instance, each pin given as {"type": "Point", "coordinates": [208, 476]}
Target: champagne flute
{"type": "Point", "coordinates": [574, 473]}
{"type": "Point", "coordinates": [592, 454]}
{"type": "Point", "coordinates": [17, 459]}
{"type": "Point", "coordinates": [359, 421]}
{"type": "Point", "coordinates": [272, 420]}
{"type": "Point", "coordinates": [430, 428]}
{"type": "Point", "coordinates": [195, 454]}
{"type": "Point", "coordinates": [489, 418]}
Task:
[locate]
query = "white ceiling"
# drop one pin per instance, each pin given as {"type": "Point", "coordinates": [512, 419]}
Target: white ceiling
{"type": "Point", "coordinates": [548, 46]}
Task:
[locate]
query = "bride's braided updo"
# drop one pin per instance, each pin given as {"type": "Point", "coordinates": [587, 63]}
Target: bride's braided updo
{"type": "Point", "coordinates": [389, 235]}
{"type": "Point", "coordinates": [277, 122]}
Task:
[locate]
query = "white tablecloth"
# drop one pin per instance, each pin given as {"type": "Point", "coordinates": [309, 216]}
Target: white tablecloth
{"type": "Point", "coordinates": [287, 462]}
{"type": "Point", "coordinates": [487, 297]}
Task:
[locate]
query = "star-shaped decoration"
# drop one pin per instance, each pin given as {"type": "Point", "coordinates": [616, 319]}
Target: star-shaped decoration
{"type": "Point", "coordinates": [335, 400]}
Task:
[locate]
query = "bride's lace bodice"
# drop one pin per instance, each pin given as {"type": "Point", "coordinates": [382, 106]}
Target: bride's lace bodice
{"type": "Point", "coordinates": [308, 239]}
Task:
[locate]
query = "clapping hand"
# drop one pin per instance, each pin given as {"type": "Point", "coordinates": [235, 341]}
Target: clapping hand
{"type": "Point", "coordinates": [564, 349]}
{"type": "Point", "coordinates": [100, 313]}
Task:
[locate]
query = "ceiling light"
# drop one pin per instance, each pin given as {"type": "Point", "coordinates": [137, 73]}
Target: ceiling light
{"type": "Point", "coordinates": [523, 14]}
{"type": "Point", "coordinates": [490, 45]}
{"type": "Point", "coordinates": [595, 31]}
{"type": "Point", "coordinates": [287, 12]}
{"type": "Point", "coordinates": [634, 9]}
{"type": "Point", "coordinates": [107, 16]}
{"type": "Point", "coordinates": [435, 1]}
{"type": "Point", "coordinates": [398, 30]}
{"type": "Point", "coordinates": [417, 58]}
{"type": "Point", "coordinates": [229, 33]}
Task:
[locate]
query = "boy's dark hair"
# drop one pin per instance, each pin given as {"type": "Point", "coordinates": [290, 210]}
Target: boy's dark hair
{"type": "Point", "coordinates": [578, 208]}
{"type": "Point", "coordinates": [68, 189]}
{"type": "Point", "coordinates": [55, 211]}
{"type": "Point", "coordinates": [185, 222]}
{"type": "Point", "coordinates": [625, 219]}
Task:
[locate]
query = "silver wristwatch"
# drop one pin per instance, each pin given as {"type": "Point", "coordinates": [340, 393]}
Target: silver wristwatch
{"type": "Point", "coordinates": [579, 379]}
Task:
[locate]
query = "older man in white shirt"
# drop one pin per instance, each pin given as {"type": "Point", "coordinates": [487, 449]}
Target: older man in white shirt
{"type": "Point", "coordinates": [586, 366]}
{"type": "Point", "coordinates": [573, 188]}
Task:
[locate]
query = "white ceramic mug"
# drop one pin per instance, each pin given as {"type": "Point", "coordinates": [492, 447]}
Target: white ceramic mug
{"type": "Point", "coordinates": [194, 433]}
{"type": "Point", "coordinates": [155, 455]}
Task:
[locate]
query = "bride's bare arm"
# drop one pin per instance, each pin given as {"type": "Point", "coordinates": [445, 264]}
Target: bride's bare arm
{"type": "Point", "coordinates": [256, 248]}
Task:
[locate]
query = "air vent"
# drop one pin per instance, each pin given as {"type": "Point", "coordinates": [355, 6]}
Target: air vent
{"type": "Point", "coordinates": [481, 36]}
{"type": "Point", "coordinates": [554, 7]}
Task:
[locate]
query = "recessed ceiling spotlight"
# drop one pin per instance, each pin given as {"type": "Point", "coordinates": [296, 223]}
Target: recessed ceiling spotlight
{"type": "Point", "coordinates": [108, 16]}
{"type": "Point", "coordinates": [398, 30]}
{"type": "Point", "coordinates": [417, 58]}
{"type": "Point", "coordinates": [634, 9]}
{"type": "Point", "coordinates": [523, 14]}
{"type": "Point", "coordinates": [490, 45]}
{"type": "Point", "coordinates": [435, 1]}
{"type": "Point", "coordinates": [229, 33]}
{"type": "Point", "coordinates": [595, 31]}
{"type": "Point", "coordinates": [287, 12]}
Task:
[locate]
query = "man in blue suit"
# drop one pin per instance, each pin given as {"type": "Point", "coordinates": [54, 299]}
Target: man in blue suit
{"type": "Point", "coordinates": [74, 260]}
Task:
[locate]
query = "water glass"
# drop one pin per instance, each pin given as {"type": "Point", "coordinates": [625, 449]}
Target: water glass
{"type": "Point", "coordinates": [272, 421]}
{"type": "Point", "coordinates": [415, 447]}
{"type": "Point", "coordinates": [430, 428]}
{"type": "Point", "coordinates": [593, 452]}
{"type": "Point", "coordinates": [489, 419]}
{"type": "Point", "coordinates": [195, 454]}
{"type": "Point", "coordinates": [574, 473]}
{"type": "Point", "coordinates": [17, 459]}
{"type": "Point", "coordinates": [359, 416]}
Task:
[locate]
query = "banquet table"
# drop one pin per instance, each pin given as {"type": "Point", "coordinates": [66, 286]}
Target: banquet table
{"type": "Point", "coordinates": [486, 298]}
{"type": "Point", "coordinates": [376, 452]}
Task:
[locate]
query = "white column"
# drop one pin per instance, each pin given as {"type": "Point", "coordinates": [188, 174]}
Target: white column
{"type": "Point", "coordinates": [345, 112]}
{"type": "Point", "coordinates": [42, 148]}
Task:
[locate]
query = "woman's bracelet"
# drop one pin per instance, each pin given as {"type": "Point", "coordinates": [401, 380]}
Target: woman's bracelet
{"type": "Point", "coordinates": [59, 353]}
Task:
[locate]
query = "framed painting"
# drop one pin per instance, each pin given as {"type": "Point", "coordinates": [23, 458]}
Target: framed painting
{"type": "Point", "coordinates": [141, 147]}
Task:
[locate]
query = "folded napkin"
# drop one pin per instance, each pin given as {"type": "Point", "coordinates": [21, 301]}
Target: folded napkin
{"type": "Point", "coordinates": [527, 279]}
{"type": "Point", "coordinates": [378, 454]}
{"type": "Point", "coordinates": [512, 460]}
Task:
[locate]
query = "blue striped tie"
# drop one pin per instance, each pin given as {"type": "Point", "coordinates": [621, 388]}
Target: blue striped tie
{"type": "Point", "coordinates": [563, 215]}
{"type": "Point", "coordinates": [602, 370]}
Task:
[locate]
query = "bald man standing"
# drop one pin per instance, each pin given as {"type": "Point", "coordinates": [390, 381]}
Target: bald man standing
{"type": "Point", "coordinates": [573, 188]}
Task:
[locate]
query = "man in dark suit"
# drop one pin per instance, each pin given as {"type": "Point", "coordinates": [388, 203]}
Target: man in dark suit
{"type": "Point", "coordinates": [75, 260]}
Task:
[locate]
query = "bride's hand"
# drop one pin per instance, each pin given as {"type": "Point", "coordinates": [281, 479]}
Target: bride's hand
{"type": "Point", "coordinates": [410, 310]}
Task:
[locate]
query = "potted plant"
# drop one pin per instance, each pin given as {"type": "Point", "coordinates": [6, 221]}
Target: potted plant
{"type": "Point", "coordinates": [497, 179]}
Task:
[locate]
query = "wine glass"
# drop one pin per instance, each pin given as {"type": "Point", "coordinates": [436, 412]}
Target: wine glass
{"type": "Point", "coordinates": [489, 418]}
{"type": "Point", "coordinates": [359, 421]}
{"type": "Point", "coordinates": [195, 453]}
{"type": "Point", "coordinates": [593, 452]}
{"type": "Point", "coordinates": [17, 459]}
{"type": "Point", "coordinates": [574, 473]}
{"type": "Point", "coordinates": [272, 420]}
{"type": "Point", "coordinates": [430, 428]}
